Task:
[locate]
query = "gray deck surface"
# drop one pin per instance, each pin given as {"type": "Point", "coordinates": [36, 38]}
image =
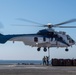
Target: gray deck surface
{"type": "Point", "coordinates": [36, 70]}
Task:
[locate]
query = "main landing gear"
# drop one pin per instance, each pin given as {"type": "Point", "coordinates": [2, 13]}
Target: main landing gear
{"type": "Point", "coordinates": [38, 49]}
{"type": "Point", "coordinates": [45, 49]}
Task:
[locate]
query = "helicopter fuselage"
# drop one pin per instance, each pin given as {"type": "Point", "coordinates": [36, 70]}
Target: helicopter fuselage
{"type": "Point", "coordinates": [44, 38]}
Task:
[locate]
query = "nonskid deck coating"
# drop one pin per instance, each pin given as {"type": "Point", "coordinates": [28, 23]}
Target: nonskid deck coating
{"type": "Point", "coordinates": [36, 70]}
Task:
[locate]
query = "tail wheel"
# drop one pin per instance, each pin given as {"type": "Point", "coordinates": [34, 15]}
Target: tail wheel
{"type": "Point", "coordinates": [66, 50]}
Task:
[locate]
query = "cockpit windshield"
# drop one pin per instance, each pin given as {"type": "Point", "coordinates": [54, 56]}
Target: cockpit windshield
{"type": "Point", "coordinates": [70, 39]}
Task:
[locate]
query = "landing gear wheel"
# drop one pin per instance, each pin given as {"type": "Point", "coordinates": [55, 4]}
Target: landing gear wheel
{"type": "Point", "coordinates": [45, 49]}
{"type": "Point", "coordinates": [38, 49]}
{"type": "Point", "coordinates": [66, 50]}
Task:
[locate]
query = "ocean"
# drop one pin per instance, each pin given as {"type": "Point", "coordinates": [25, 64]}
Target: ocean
{"type": "Point", "coordinates": [25, 62]}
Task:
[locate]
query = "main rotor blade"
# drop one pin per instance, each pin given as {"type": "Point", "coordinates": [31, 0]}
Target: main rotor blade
{"type": "Point", "coordinates": [26, 25]}
{"type": "Point", "coordinates": [69, 21]}
{"type": "Point", "coordinates": [67, 26]}
{"type": "Point", "coordinates": [25, 20]}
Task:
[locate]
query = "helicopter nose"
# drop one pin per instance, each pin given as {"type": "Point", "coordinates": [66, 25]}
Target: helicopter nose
{"type": "Point", "coordinates": [73, 42]}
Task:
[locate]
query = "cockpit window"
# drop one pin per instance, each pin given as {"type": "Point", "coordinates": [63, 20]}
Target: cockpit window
{"type": "Point", "coordinates": [69, 38]}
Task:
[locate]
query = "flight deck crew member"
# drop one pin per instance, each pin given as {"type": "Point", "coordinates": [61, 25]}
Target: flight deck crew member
{"type": "Point", "coordinates": [44, 60]}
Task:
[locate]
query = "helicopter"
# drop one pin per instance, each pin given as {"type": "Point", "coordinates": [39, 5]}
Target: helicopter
{"type": "Point", "coordinates": [45, 38]}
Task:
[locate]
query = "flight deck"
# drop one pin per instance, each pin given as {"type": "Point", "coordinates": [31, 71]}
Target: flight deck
{"type": "Point", "coordinates": [36, 70]}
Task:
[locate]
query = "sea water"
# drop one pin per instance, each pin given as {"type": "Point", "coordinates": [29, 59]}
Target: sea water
{"type": "Point", "coordinates": [20, 62]}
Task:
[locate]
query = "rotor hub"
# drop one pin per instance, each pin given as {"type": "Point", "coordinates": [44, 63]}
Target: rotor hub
{"type": "Point", "coordinates": [49, 25]}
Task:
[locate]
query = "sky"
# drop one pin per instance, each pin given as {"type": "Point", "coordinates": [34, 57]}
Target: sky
{"type": "Point", "coordinates": [41, 11]}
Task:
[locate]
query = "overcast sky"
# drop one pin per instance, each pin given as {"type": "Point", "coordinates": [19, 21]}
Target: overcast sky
{"type": "Point", "coordinates": [41, 11]}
